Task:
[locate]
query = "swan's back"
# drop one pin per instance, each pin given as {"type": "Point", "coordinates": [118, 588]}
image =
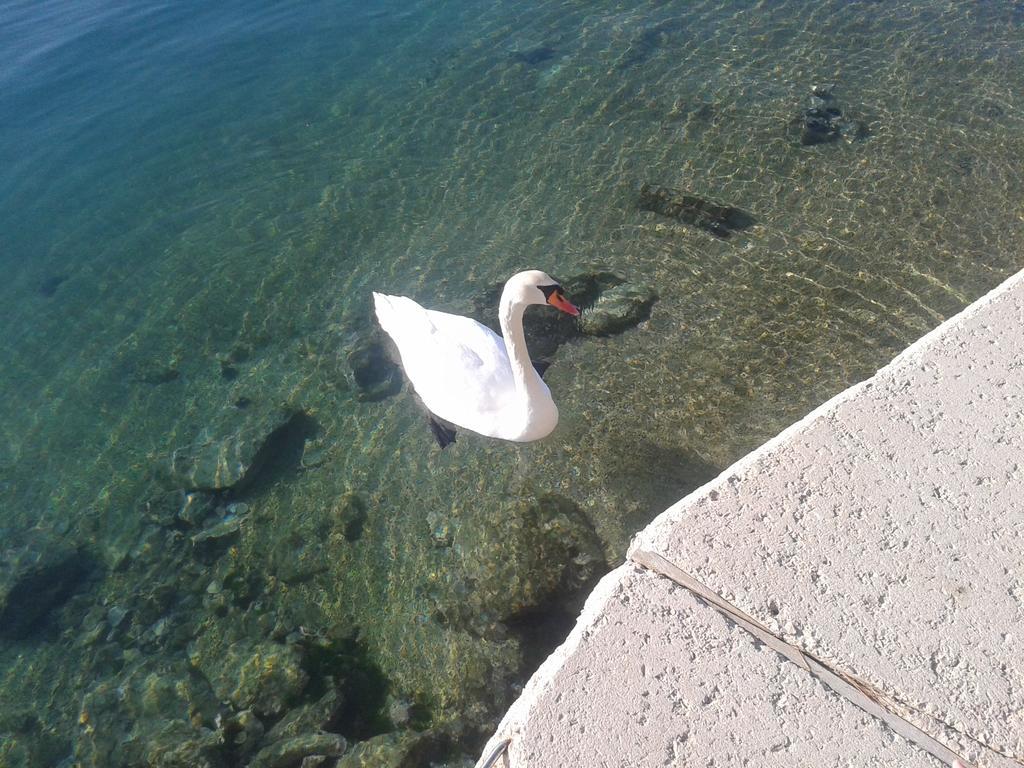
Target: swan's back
{"type": "Point", "coordinates": [458, 367]}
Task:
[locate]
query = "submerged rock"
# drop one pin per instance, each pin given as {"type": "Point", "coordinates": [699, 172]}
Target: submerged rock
{"type": "Point", "coordinates": [618, 309]}
{"type": "Point", "coordinates": [820, 125]}
{"type": "Point", "coordinates": [26, 741]}
{"type": "Point", "coordinates": [266, 677]}
{"type": "Point", "coordinates": [157, 370]}
{"type": "Point", "coordinates": [371, 371]}
{"type": "Point", "coordinates": [50, 285]}
{"type": "Point", "coordinates": [157, 713]}
{"type": "Point", "coordinates": [400, 749]}
{"type": "Point", "coordinates": [546, 554]}
{"type": "Point", "coordinates": [608, 302]}
{"type": "Point", "coordinates": [823, 121]}
{"type": "Point", "coordinates": [177, 745]}
{"type": "Point", "coordinates": [313, 717]}
{"type": "Point", "coordinates": [586, 288]}
{"type": "Point", "coordinates": [174, 508]}
{"type": "Point", "coordinates": [195, 508]}
{"type": "Point", "coordinates": [717, 219]}
{"type": "Point", "coordinates": [36, 579]}
{"type": "Point", "coordinates": [441, 528]}
{"type": "Point", "coordinates": [531, 57]}
{"type": "Point", "coordinates": [350, 515]}
{"type": "Point", "coordinates": [290, 752]}
{"type": "Point", "coordinates": [242, 732]}
{"type": "Point", "coordinates": [16, 751]}
{"type": "Point", "coordinates": [220, 530]}
{"type": "Point", "coordinates": [823, 91]}
{"type": "Point", "coordinates": [267, 440]}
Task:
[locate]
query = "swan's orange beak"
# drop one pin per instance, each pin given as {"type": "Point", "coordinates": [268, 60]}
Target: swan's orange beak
{"type": "Point", "coordinates": [558, 301]}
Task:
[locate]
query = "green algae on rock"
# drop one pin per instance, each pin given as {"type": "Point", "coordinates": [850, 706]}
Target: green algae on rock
{"type": "Point", "coordinates": [547, 548]}
{"type": "Point", "coordinates": [154, 713]}
{"type": "Point", "coordinates": [349, 514]}
{"type": "Point", "coordinates": [266, 677]}
{"type": "Point", "coordinates": [609, 303]}
{"type": "Point", "coordinates": [398, 749]}
{"type": "Point", "coordinates": [297, 749]}
{"type": "Point", "coordinates": [27, 742]}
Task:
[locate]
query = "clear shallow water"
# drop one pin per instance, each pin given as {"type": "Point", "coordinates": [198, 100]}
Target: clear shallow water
{"type": "Point", "coordinates": [195, 203]}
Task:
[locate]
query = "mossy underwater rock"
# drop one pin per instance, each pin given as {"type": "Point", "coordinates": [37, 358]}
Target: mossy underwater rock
{"type": "Point", "coordinates": [398, 749]}
{"type": "Point", "coordinates": [349, 515]}
{"type": "Point", "coordinates": [157, 714]}
{"type": "Point", "coordinates": [314, 717]}
{"type": "Point", "coordinates": [716, 219]}
{"type": "Point", "coordinates": [823, 122]}
{"type": "Point", "coordinates": [545, 549]}
{"type": "Point", "coordinates": [266, 677]}
{"type": "Point", "coordinates": [618, 309]}
{"type": "Point", "coordinates": [298, 749]}
{"type": "Point", "coordinates": [16, 752]}
{"type": "Point", "coordinates": [609, 303]}
{"type": "Point", "coordinates": [26, 741]}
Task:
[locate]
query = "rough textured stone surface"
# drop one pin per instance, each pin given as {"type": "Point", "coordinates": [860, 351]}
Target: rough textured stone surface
{"type": "Point", "coordinates": [652, 676]}
{"type": "Point", "coordinates": [884, 532]}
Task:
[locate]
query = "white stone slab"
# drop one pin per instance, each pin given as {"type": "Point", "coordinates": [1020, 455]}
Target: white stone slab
{"type": "Point", "coordinates": [884, 533]}
{"type": "Point", "coordinates": [652, 676]}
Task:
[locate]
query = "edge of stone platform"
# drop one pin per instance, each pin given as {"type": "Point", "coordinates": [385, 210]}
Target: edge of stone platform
{"type": "Point", "coordinates": [542, 680]}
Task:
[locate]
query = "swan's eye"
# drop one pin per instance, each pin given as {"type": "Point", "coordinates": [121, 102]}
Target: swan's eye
{"type": "Point", "coordinates": [551, 290]}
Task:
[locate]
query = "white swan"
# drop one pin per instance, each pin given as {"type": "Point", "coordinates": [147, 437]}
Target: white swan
{"type": "Point", "coordinates": [468, 375]}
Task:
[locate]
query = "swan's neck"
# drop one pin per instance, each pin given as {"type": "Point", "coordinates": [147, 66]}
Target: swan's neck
{"type": "Point", "coordinates": [539, 409]}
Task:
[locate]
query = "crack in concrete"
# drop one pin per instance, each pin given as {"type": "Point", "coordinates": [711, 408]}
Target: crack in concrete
{"type": "Point", "coordinates": [858, 692]}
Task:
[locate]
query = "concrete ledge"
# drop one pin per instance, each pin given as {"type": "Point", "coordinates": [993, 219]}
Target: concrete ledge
{"type": "Point", "coordinates": [882, 535]}
{"type": "Point", "coordinates": [656, 677]}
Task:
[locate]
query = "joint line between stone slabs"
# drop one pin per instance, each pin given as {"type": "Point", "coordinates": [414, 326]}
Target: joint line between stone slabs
{"type": "Point", "coordinates": [857, 692]}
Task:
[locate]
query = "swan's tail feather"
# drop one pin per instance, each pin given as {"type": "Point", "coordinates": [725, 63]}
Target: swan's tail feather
{"type": "Point", "coordinates": [398, 313]}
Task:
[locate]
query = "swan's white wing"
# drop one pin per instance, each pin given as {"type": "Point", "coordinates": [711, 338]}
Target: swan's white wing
{"type": "Point", "coordinates": [458, 367]}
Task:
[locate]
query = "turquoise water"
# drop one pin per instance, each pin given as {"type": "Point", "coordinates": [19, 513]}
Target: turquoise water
{"type": "Point", "coordinates": [195, 202]}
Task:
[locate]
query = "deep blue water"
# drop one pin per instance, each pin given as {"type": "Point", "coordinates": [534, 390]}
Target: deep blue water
{"type": "Point", "coordinates": [95, 96]}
